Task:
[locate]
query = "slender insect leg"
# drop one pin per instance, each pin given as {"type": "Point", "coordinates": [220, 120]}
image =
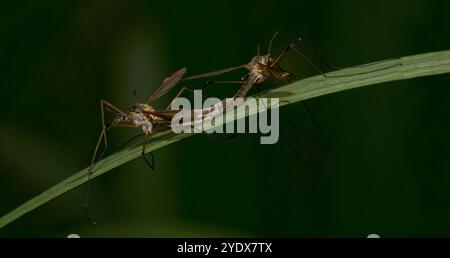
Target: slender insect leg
{"type": "Point", "coordinates": [90, 170]}
{"type": "Point", "coordinates": [314, 53]}
{"type": "Point", "coordinates": [289, 144]}
{"type": "Point", "coordinates": [281, 55]}
{"type": "Point", "coordinates": [104, 105]}
{"type": "Point", "coordinates": [325, 63]}
{"type": "Point", "coordinates": [150, 164]}
{"type": "Point", "coordinates": [308, 111]}
{"type": "Point", "coordinates": [285, 138]}
{"type": "Point", "coordinates": [125, 144]}
{"type": "Point", "coordinates": [226, 82]}
{"type": "Point", "coordinates": [301, 54]}
{"type": "Point", "coordinates": [208, 83]}
{"type": "Point", "coordinates": [286, 50]}
{"type": "Point", "coordinates": [104, 129]}
{"type": "Point", "coordinates": [182, 90]}
{"type": "Point", "coordinates": [214, 73]}
{"type": "Point", "coordinates": [311, 139]}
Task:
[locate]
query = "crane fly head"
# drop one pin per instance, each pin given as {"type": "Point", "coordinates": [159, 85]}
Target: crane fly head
{"type": "Point", "coordinates": [261, 60]}
{"type": "Point", "coordinates": [120, 118]}
{"type": "Point", "coordinates": [138, 110]}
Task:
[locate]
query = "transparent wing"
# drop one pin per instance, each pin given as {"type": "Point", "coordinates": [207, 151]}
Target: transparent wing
{"type": "Point", "coordinates": [164, 115]}
{"type": "Point", "coordinates": [167, 84]}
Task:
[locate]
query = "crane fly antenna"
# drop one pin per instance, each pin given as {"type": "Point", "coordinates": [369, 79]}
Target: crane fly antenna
{"type": "Point", "coordinates": [135, 96]}
{"type": "Point", "coordinates": [270, 43]}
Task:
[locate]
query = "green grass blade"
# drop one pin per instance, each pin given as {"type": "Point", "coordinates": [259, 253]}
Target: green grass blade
{"type": "Point", "coordinates": [384, 71]}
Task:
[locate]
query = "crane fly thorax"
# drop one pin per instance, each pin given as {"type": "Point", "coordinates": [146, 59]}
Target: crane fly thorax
{"type": "Point", "coordinates": [141, 108]}
{"type": "Point", "coordinates": [259, 67]}
{"type": "Point", "coordinates": [263, 60]}
{"type": "Point", "coordinates": [139, 116]}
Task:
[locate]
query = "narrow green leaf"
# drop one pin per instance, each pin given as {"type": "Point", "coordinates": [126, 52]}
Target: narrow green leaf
{"type": "Point", "coordinates": [369, 74]}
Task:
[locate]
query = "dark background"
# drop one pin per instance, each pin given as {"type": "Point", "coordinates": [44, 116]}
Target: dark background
{"type": "Point", "coordinates": [388, 171]}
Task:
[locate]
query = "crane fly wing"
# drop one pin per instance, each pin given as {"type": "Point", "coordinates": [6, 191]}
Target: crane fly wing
{"type": "Point", "coordinates": [164, 115]}
{"type": "Point", "coordinates": [167, 114]}
{"type": "Point", "coordinates": [167, 84]}
{"type": "Point", "coordinates": [215, 73]}
{"type": "Point", "coordinates": [280, 74]}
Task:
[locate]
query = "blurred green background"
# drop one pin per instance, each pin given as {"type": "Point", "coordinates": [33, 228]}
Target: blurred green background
{"type": "Point", "coordinates": [388, 171]}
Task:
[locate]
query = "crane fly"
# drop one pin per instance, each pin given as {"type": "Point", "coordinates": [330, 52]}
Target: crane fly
{"type": "Point", "coordinates": [140, 115]}
{"type": "Point", "coordinates": [265, 67]}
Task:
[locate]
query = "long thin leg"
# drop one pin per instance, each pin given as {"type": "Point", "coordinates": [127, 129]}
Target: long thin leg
{"type": "Point", "coordinates": [104, 105]}
{"type": "Point", "coordinates": [281, 55]}
{"type": "Point", "coordinates": [125, 144]}
{"type": "Point", "coordinates": [304, 103]}
{"type": "Point", "coordinates": [181, 92]}
{"type": "Point", "coordinates": [91, 167]}
{"type": "Point", "coordinates": [322, 60]}
{"type": "Point", "coordinates": [297, 128]}
{"type": "Point", "coordinates": [226, 82]}
{"type": "Point", "coordinates": [208, 83]}
{"type": "Point", "coordinates": [308, 111]}
{"type": "Point", "coordinates": [150, 164]}
{"type": "Point", "coordinates": [112, 108]}
{"type": "Point", "coordinates": [340, 76]}
{"type": "Point", "coordinates": [329, 67]}
{"type": "Point", "coordinates": [108, 105]}
{"type": "Point", "coordinates": [286, 50]}
{"type": "Point", "coordinates": [86, 202]}
{"type": "Point", "coordinates": [286, 139]}
{"type": "Point", "coordinates": [303, 133]}
{"type": "Point", "coordinates": [90, 171]}
{"type": "Point", "coordinates": [301, 54]}
{"type": "Point", "coordinates": [214, 73]}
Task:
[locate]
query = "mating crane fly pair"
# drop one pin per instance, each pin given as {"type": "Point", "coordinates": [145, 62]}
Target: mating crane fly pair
{"type": "Point", "coordinates": [144, 116]}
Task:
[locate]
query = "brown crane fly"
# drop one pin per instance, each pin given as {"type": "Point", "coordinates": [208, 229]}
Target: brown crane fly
{"type": "Point", "coordinates": [140, 115]}
{"type": "Point", "coordinates": [265, 67]}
